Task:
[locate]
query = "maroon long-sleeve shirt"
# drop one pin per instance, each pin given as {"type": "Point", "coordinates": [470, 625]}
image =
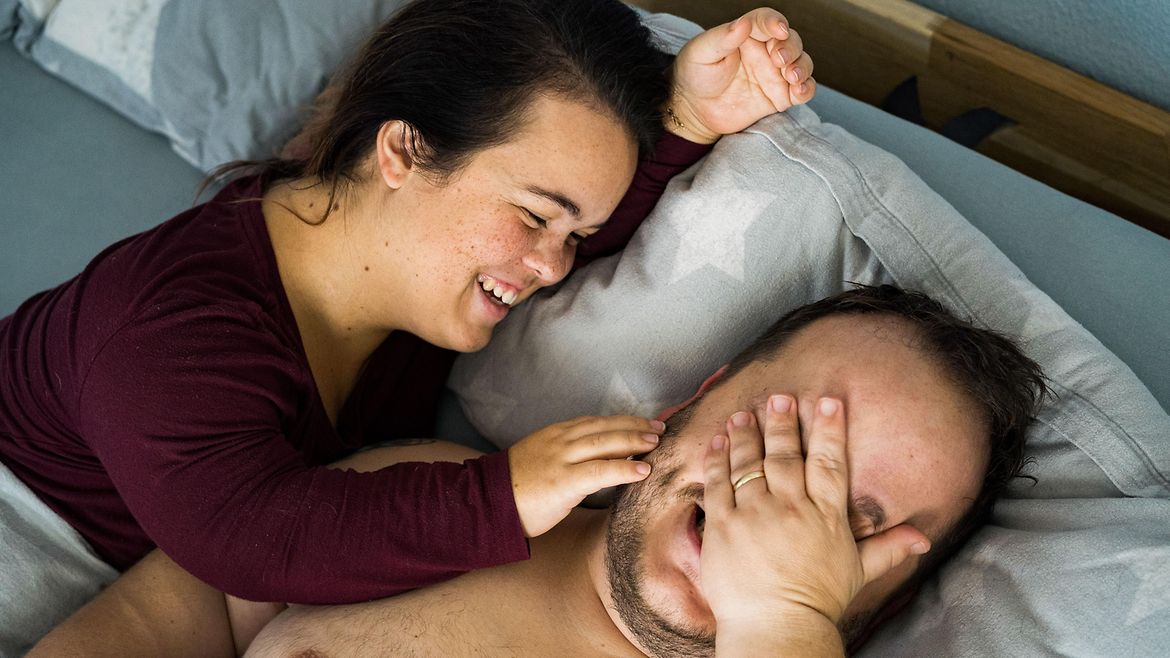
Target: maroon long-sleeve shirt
{"type": "Point", "coordinates": [162, 397]}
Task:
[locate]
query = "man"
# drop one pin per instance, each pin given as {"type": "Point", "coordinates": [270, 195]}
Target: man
{"type": "Point", "coordinates": [936, 416]}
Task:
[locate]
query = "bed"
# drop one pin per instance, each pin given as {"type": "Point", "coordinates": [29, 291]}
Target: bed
{"type": "Point", "coordinates": [121, 146]}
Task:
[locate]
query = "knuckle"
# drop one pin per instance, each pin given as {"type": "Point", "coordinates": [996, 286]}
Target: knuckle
{"type": "Point", "coordinates": [594, 471]}
{"type": "Point", "coordinates": [634, 440]}
{"type": "Point", "coordinates": [825, 462]}
{"type": "Point", "coordinates": [594, 442]}
{"type": "Point", "coordinates": [784, 458]}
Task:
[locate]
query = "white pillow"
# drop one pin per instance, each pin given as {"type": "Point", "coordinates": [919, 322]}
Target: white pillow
{"type": "Point", "coordinates": [789, 212]}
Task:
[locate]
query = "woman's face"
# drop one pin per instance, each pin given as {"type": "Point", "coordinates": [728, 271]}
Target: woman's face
{"type": "Point", "coordinates": [457, 255]}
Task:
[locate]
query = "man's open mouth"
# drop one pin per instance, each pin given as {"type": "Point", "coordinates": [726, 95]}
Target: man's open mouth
{"type": "Point", "coordinates": [700, 519]}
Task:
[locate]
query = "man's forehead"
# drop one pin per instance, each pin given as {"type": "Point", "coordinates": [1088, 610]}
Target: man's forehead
{"type": "Point", "coordinates": [898, 423]}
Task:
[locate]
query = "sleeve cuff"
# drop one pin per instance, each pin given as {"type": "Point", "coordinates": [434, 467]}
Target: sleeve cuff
{"type": "Point", "coordinates": [509, 542]}
{"type": "Point", "coordinates": [672, 149]}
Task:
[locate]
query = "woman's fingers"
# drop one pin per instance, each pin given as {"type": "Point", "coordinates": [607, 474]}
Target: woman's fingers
{"type": "Point", "coordinates": [717, 44]}
{"type": "Point", "coordinates": [552, 469]}
{"type": "Point", "coordinates": [593, 476]}
{"type": "Point", "coordinates": [786, 51]}
{"type": "Point", "coordinates": [766, 74]}
{"type": "Point", "coordinates": [766, 24]}
{"type": "Point", "coordinates": [800, 71]}
{"type": "Point", "coordinates": [884, 551]}
{"type": "Point", "coordinates": [586, 425]}
{"type": "Point", "coordinates": [614, 444]}
{"type": "Point", "coordinates": [803, 92]}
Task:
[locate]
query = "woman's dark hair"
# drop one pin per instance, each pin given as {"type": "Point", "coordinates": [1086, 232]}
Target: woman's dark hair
{"type": "Point", "coordinates": [462, 75]}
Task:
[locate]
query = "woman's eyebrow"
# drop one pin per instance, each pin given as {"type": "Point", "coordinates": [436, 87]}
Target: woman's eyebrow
{"type": "Point", "coordinates": [872, 510]}
{"type": "Point", "coordinates": [557, 198]}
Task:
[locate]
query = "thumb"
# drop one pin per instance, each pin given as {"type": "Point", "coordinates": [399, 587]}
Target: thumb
{"type": "Point", "coordinates": [718, 43]}
{"type": "Point", "coordinates": [883, 552]}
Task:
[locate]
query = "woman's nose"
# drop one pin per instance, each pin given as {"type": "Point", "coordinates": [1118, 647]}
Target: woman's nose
{"type": "Point", "coordinates": [550, 259]}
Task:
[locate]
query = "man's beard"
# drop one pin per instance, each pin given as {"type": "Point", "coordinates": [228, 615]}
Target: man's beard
{"type": "Point", "coordinates": [623, 558]}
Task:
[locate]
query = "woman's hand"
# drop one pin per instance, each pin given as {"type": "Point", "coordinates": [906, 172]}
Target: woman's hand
{"type": "Point", "coordinates": [779, 559]}
{"type": "Point", "coordinates": [735, 74]}
{"type": "Point", "coordinates": [554, 469]}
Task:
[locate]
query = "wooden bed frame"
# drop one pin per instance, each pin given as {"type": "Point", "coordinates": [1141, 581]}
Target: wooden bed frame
{"type": "Point", "coordinates": [1075, 134]}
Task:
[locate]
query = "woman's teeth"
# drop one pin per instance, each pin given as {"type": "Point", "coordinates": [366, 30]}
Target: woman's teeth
{"type": "Point", "coordinates": [497, 289]}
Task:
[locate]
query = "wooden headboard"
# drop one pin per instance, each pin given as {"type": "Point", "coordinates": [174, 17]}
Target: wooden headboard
{"type": "Point", "coordinates": [1075, 134]}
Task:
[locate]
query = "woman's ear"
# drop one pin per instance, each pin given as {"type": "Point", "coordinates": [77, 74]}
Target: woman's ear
{"type": "Point", "coordinates": [395, 145]}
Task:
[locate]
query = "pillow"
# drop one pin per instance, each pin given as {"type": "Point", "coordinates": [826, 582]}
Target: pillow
{"type": "Point", "coordinates": [222, 80]}
{"type": "Point", "coordinates": [22, 20]}
{"type": "Point", "coordinates": [9, 18]}
{"type": "Point", "coordinates": [789, 212]}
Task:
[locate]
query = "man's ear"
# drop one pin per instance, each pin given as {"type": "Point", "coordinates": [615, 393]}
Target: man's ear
{"type": "Point", "coordinates": [707, 383]}
{"type": "Point", "coordinates": [394, 151]}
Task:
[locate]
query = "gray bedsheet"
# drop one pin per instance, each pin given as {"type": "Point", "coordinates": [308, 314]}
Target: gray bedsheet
{"type": "Point", "coordinates": [74, 177]}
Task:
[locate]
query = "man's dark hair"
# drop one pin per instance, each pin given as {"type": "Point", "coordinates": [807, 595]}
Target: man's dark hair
{"type": "Point", "coordinates": [1005, 384]}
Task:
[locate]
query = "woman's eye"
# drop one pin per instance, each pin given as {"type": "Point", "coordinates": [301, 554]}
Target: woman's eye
{"type": "Point", "coordinates": [575, 239]}
{"type": "Point", "coordinates": [537, 219]}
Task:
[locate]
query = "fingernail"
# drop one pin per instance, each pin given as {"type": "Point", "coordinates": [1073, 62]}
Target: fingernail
{"type": "Point", "coordinates": [643, 468]}
{"type": "Point", "coordinates": [796, 73]}
{"type": "Point", "coordinates": [658, 425]}
{"type": "Point", "coordinates": [828, 406]}
{"type": "Point", "coordinates": [717, 442]}
{"type": "Point", "coordinates": [741, 419]}
{"type": "Point", "coordinates": [781, 404]}
{"type": "Point", "coordinates": [650, 438]}
{"type": "Point", "coordinates": [919, 548]}
{"type": "Point", "coordinates": [803, 88]}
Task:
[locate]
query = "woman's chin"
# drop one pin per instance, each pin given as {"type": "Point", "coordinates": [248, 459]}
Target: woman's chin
{"type": "Point", "coordinates": [473, 339]}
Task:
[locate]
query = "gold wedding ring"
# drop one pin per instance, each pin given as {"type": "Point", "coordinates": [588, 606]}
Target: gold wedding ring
{"type": "Point", "coordinates": [747, 477]}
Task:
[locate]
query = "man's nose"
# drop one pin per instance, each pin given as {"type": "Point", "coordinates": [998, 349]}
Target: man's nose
{"type": "Point", "coordinates": [550, 259]}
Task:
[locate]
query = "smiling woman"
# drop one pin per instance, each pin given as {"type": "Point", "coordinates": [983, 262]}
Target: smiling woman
{"type": "Point", "coordinates": [188, 387]}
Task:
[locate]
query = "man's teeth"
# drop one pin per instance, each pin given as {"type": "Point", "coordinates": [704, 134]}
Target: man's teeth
{"type": "Point", "coordinates": [496, 288]}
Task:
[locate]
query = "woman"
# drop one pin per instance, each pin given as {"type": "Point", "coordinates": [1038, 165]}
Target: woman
{"type": "Point", "coordinates": [185, 390]}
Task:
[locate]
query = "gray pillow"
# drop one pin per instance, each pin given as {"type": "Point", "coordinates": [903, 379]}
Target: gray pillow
{"type": "Point", "coordinates": [22, 20]}
{"type": "Point", "coordinates": [785, 214]}
{"type": "Point", "coordinates": [9, 18]}
{"type": "Point", "coordinates": [222, 80]}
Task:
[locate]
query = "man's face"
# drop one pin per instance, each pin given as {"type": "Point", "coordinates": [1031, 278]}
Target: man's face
{"type": "Point", "coordinates": [917, 452]}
